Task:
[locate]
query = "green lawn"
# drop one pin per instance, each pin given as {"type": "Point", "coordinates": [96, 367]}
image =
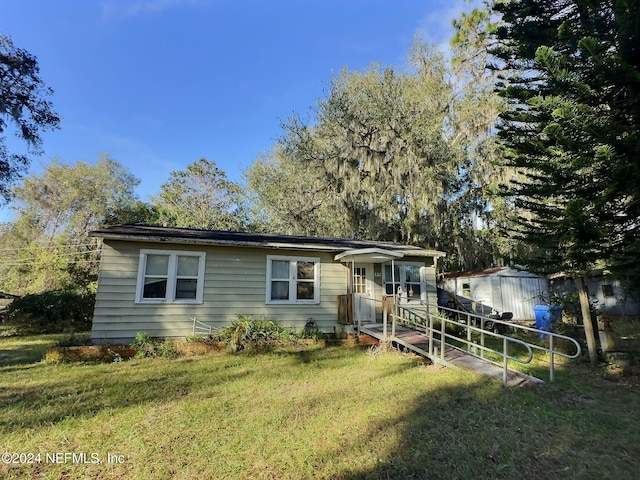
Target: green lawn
{"type": "Point", "coordinates": [312, 412]}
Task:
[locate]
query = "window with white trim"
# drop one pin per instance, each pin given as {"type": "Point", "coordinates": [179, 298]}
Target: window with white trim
{"type": "Point", "coordinates": [170, 276]}
{"type": "Point", "coordinates": [409, 280]}
{"type": "Point", "coordinates": [293, 279]}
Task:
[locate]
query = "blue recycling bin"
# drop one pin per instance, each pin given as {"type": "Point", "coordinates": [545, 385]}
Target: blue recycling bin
{"type": "Point", "coordinates": [545, 316]}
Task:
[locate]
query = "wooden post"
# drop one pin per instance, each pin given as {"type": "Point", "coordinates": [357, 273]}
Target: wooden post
{"type": "Point", "coordinates": [583, 293]}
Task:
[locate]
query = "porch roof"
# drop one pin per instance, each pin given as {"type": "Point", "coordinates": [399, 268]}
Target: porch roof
{"type": "Point", "coordinates": [368, 255]}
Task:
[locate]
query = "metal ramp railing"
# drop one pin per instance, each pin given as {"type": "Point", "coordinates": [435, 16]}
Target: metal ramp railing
{"type": "Point", "coordinates": [437, 324]}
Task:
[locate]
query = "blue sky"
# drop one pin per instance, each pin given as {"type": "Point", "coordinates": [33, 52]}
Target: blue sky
{"type": "Point", "coordinates": [161, 83]}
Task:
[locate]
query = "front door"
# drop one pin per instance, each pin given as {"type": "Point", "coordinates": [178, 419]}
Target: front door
{"type": "Point", "coordinates": [364, 305]}
{"type": "Point", "coordinates": [410, 282]}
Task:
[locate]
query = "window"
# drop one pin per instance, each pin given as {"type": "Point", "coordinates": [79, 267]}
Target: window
{"type": "Point", "coordinates": [607, 290]}
{"type": "Point", "coordinates": [167, 276]}
{"type": "Point", "coordinates": [293, 279]}
{"type": "Point", "coordinates": [360, 280]}
{"type": "Point", "coordinates": [407, 277]}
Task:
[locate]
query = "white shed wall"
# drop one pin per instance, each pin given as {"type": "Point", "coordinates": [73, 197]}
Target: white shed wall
{"type": "Point", "coordinates": [505, 291]}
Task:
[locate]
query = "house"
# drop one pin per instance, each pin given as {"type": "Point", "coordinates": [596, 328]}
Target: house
{"type": "Point", "coordinates": [606, 293]}
{"type": "Point", "coordinates": [157, 279]}
{"type": "Point", "coordinates": [495, 290]}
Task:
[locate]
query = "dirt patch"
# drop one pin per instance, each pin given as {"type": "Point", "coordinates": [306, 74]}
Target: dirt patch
{"type": "Point", "coordinates": [89, 353]}
{"type": "Point", "coordinates": [198, 348]}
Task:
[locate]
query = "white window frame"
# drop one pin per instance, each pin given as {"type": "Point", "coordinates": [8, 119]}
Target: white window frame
{"type": "Point", "coordinates": [172, 276]}
{"type": "Point", "coordinates": [293, 272]}
{"type": "Point", "coordinates": [401, 266]}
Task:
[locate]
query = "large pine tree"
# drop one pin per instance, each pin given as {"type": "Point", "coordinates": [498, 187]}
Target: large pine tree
{"type": "Point", "coordinates": [573, 83]}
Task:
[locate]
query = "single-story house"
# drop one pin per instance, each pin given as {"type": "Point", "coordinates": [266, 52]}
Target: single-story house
{"type": "Point", "coordinates": [606, 293]}
{"type": "Point", "coordinates": [157, 279]}
{"type": "Point", "coordinates": [494, 290]}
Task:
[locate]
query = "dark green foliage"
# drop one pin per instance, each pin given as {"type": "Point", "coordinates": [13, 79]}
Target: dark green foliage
{"type": "Point", "coordinates": [74, 340]}
{"type": "Point", "coordinates": [199, 197]}
{"type": "Point", "coordinates": [254, 334]}
{"type": "Point", "coordinates": [148, 347]}
{"type": "Point", "coordinates": [23, 102]}
{"type": "Point", "coordinates": [56, 311]}
{"type": "Point", "coordinates": [573, 81]}
{"type": "Point", "coordinates": [46, 247]}
{"type": "Point", "coordinates": [137, 212]}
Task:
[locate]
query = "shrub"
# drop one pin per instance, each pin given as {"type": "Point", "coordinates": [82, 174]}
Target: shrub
{"type": "Point", "coordinates": [55, 311]}
{"type": "Point", "coordinates": [152, 347]}
{"type": "Point", "coordinates": [196, 339]}
{"type": "Point", "coordinates": [256, 334]}
{"type": "Point", "coordinates": [74, 340]}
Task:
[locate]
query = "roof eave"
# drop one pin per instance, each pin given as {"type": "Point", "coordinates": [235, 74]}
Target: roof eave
{"type": "Point", "coordinates": [209, 241]}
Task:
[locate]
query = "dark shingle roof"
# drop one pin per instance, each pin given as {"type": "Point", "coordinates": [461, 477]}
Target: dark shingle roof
{"type": "Point", "coordinates": [139, 232]}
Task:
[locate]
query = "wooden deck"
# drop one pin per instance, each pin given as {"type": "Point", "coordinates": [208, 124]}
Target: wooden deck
{"type": "Point", "coordinates": [453, 357]}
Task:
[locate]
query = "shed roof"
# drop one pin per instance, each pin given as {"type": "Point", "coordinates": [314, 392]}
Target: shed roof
{"type": "Point", "coordinates": [152, 233]}
{"type": "Point", "coordinates": [496, 271]}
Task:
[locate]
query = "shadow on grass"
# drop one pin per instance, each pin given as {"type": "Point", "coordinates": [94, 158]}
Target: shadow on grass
{"type": "Point", "coordinates": [482, 431]}
{"type": "Point", "coordinates": [16, 350]}
{"type": "Point", "coordinates": [463, 426]}
{"type": "Point", "coordinates": [85, 391]}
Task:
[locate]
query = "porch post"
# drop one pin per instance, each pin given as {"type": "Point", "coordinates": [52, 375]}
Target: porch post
{"type": "Point", "coordinates": [354, 308]}
{"type": "Point", "coordinates": [394, 308]}
{"type": "Point", "coordinates": [385, 305]}
{"type": "Point", "coordinates": [393, 280]}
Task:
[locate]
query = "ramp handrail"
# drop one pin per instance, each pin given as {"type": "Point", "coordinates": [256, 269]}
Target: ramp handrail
{"type": "Point", "coordinates": [552, 336]}
{"type": "Point", "coordinates": [432, 331]}
{"type": "Point", "coordinates": [481, 320]}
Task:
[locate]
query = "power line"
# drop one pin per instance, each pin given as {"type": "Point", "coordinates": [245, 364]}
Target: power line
{"type": "Point", "coordinates": [33, 260]}
{"type": "Point", "coordinates": [35, 246]}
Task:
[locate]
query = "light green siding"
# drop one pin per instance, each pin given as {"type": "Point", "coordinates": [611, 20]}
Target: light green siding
{"type": "Point", "coordinates": [234, 284]}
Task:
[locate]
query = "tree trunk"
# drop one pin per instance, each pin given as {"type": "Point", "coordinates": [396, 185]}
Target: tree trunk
{"type": "Point", "coordinates": [583, 293]}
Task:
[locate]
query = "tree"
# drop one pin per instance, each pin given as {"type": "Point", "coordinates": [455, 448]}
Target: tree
{"type": "Point", "coordinates": [137, 212]}
{"type": "Point", "coordinates": [292, 198]}
{"type": "Point", "coordinates": [23, 103]}
{"type": "Point", "coordinates": [200, 197]}
{"type": "Point", "coordinates": [476, 214]}
{"type": "Point", "coordinates": [572, 78]}
{"type": "Point", "coordinates": [378, 141]}
{"type": "Point", "coordinates": [47, 246]}
{"type": "Point", "coordinates": [409, 154]}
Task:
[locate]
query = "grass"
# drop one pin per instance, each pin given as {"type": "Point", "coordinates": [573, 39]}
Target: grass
{"type": "Point", "coordinates": [312, 412]}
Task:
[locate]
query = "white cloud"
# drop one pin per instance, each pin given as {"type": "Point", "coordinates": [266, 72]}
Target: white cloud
{"type": "Point", "coordinates": [435, 27]}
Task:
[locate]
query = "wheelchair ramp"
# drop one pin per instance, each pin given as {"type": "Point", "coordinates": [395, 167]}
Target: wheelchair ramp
{"type": "Point", "coordinates": [453, 357]}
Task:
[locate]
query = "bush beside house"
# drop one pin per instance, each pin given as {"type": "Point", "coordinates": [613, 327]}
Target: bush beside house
{"type": "Point", "coordinates": [56, 311]}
